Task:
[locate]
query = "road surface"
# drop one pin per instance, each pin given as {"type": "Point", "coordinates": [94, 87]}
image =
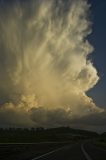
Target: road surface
{"type": "Point", "coordinates": [83, 151]}
{"type": "Point", "coordinates": [48, 151]}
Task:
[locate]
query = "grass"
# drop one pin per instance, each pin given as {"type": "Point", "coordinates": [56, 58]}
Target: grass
{"type": "Point", "coordinates": [101, 142]}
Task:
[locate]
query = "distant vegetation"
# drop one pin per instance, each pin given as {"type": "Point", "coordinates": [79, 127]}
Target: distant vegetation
{"type": "Point", "coordinates": [61, 134]}
{"type": "Point", "coordinates": [101, 140]}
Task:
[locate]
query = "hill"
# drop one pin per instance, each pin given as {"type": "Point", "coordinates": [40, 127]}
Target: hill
{"type": "Point", "coordinates": [31, 135]}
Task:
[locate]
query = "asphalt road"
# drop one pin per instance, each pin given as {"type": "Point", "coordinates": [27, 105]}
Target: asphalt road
{"type": "Point", "coordinates": [47, 151]}
{"type": "Point", "coordinates": [83, 151]}
{"type": "Point", "coordinates": [66, 153]}
{"type": "Point", "coordinates": [96, 153]}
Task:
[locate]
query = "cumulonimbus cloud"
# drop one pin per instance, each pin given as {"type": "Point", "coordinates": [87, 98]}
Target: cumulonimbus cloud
{"type": "Point", "coordinates": [44, 65]}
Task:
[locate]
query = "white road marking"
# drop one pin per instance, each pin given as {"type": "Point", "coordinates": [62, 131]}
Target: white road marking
{"type": "Point", "coordinates": [85, 153]}
{"type": "Point", "coordinates": [33, 143]}
{"type": "Point", "coordinates": [48, 153]}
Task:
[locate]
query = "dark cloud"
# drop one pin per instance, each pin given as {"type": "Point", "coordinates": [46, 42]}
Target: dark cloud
{"type": "Point", "coordinates": [48, 118]}
{"type": "Point", "coordinates": [14, 117]}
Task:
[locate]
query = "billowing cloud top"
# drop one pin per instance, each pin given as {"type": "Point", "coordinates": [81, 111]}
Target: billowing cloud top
{"type": "Point", "coordinates": [44, 67]}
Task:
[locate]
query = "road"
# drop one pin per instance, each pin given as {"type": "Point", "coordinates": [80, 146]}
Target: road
{"type": "Point", "coordinates": [71, 152]}
{"type": "Point", "coordinates": [83, 151]}
{"type": "Point", "coordinates": [52, 151]}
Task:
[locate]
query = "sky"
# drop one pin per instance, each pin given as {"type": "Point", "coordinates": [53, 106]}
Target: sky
{"type": "Point", "coordinates": [98, 39]}
{"type": "Point", "coordinates": [52, 64]}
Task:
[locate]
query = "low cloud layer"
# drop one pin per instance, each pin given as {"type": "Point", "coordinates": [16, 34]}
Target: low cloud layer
{"type": "Point", "coordinates": [44, 67]}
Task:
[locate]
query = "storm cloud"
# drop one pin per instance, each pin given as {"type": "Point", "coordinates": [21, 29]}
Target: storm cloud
{"type": "Point", "coordinates": [45, 71]}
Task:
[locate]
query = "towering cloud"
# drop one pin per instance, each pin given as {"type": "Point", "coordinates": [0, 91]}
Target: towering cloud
{"type": "Point", "coordinates": [44, 67]}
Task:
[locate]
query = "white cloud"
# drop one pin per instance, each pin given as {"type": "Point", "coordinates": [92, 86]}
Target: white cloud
{"type": "Point", "coordinates": [44, 59]}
